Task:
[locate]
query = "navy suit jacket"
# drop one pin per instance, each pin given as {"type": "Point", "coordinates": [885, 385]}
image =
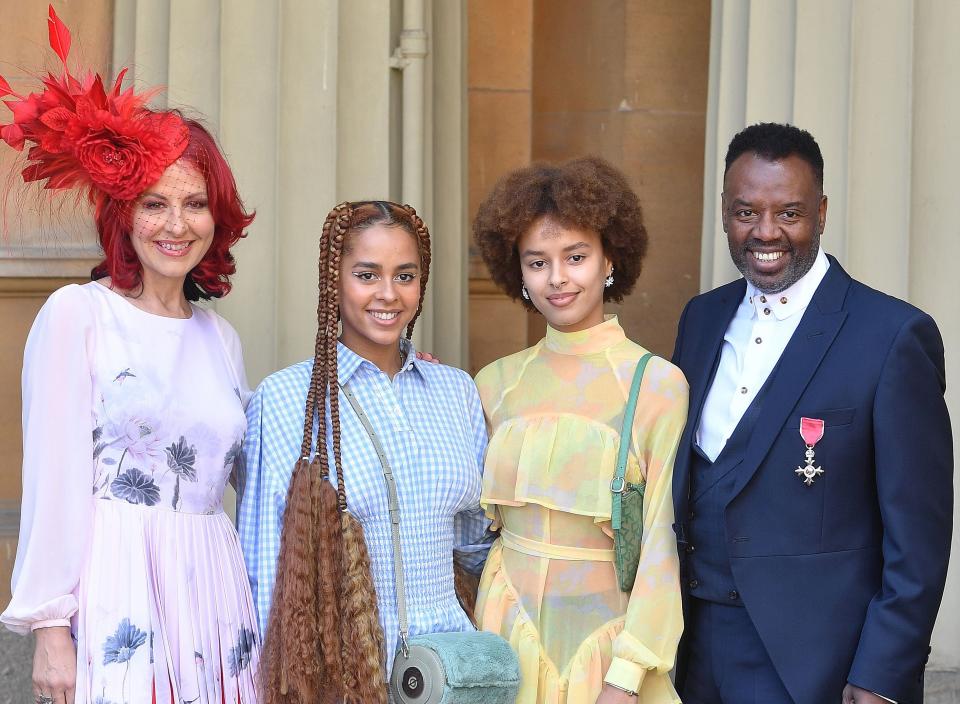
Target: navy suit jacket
{"type": "Point", "coordinates": [842, 579]}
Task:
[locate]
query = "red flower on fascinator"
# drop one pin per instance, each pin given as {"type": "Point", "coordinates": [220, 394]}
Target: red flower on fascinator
{"type": "Point", "coordinates": [83, 135]}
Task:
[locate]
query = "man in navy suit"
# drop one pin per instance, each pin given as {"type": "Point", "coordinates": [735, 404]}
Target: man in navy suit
{"type": "Point", "coordinates": [813, 484]}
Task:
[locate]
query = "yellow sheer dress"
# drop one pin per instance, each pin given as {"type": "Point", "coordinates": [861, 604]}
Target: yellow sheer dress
{"type": "Point", "coordinates": [549, 586]}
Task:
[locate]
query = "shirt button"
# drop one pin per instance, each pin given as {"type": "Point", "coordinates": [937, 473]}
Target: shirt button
{"type": "Point", "coordinates": [766, 311]}
{"type": "Point", "coordinates": [758, 340]}
{"type": "Point", "coordinates": [743, 389]}
{"type": "Point", "coordinates": [734, 595]}
{"type": "Point", "coordinates": [783, 300]}
{"type": "Point", "coordinates": [763, 299]}
{"type": "Point", "coordinates": [694, 583]}
{"type": "Point", "coordinates": [689, 549]}
{"type": "Point", "coordinates": [690, 516]}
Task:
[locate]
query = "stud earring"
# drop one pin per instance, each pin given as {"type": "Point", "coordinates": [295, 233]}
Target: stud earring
{"type": "Point", "coordinates": [523, 292]}
{"type": "Point", "coordinates": [608, 282]}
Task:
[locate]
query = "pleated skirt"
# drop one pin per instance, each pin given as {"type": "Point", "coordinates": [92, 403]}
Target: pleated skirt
{"type": "Point", "coordinates": [166, 613]}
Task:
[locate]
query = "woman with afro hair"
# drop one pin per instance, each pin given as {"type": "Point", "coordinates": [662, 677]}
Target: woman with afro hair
{"type": "Point", "coordinates": [563, 240]}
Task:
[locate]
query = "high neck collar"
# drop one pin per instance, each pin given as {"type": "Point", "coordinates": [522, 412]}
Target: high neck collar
{"type": "Point", "coordinates": [590, 341]}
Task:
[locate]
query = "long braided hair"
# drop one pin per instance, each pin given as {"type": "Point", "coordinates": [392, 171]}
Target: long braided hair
{"type": "Point", "coordinates": [324, 643]}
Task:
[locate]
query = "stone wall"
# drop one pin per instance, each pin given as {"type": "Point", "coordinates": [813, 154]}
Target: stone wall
{"type": "Point", "coordinates": [15, 667]}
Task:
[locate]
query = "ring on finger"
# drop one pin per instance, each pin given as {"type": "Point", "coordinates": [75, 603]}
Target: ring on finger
{"type": "Point", "coordinates": [43, 699]}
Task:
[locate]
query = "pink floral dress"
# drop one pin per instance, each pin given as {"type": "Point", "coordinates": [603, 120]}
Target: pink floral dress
{"type": "Point", "coordinates": [132, 427]}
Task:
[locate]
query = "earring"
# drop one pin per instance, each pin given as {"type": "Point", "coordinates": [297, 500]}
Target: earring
{"type": "Point", "coordinates": [523, 292]}
{"type": "Point", "coordinates": [608, 282]}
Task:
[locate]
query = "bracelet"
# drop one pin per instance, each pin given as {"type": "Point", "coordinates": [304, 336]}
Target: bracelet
{"type": "Point", "coordinates": [622, 689]}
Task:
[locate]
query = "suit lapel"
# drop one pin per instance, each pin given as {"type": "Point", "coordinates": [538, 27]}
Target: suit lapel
{"type": "Point", "coordinates": [706, 341]}
{"type": "Point", "coordinates": [799, 362]}
{"type": "Point", "coordinates": [713, 331]}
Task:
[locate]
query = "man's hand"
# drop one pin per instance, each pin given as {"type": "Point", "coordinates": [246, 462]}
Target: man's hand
{"type": "Point", "coordinates": [54, 665]}
{"type": "Point", "coordinates": [612, 695]}
{"type": "Point", "coordinates": [855, 695]}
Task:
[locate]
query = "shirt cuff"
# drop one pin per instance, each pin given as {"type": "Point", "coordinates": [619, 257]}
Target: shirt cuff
{"type": "Point", "coordinates": [50, 623]}
{"type": "Point", "coordinates": [625, 674]}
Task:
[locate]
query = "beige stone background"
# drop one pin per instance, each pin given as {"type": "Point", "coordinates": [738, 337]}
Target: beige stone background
{"type": "Point", "coordinates": [313, 104]}
{"type": "Point", "coordinates": [551, 80]}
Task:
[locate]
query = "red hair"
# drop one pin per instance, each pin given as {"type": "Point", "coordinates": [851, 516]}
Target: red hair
{"type": "Point", "coordinates": [209, 278]}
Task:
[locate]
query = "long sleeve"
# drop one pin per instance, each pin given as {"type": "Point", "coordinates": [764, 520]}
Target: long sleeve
{"type": "Point", "coordinates": [914, 472]}
{"type": "Point", "coordinates": [472, 535]}
{"type": "Point", "coordinates": [258, 516]}
{"type": "Point", "coordinates": [654, 619]}
{"type": "Point", "coordinates": [238, 374]}
{"type": "Point", "coordinates": [234, 352]}
{"type": "Point", "coordinates": [58, 445]}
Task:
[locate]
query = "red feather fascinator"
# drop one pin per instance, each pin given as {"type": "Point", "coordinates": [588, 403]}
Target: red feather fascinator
{"type": "Point", "coordinates": [82, 135]}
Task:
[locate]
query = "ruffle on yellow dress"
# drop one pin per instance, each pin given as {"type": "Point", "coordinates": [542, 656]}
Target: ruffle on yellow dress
{"type": "Point", "coordinates": [549, 586]}
{"type": "Point", "coordinates": [528, 456]}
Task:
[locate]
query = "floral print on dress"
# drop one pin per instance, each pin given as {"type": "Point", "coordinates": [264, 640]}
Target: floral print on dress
{"type": "Point", "coordinates": [136, 487]}
{"type": "Point", "coordinates": [131, 433]}
{"type": "Point", "coordinates": [136, 462]}
{"type": "Point", "coordinates": [98, 446]}
{"type": "Point", "coordinates": [235, 462]}
{"type": "Point", "coordinates": [140, 439]}
{"type": "Point", "coordinates": [238, 658]}
{"type": "Point", "coordinates": [122, 646]}
{"type": "Point", "coordinates": [233, 455]}
{"type": "Point", "coordinates": [122, 376]}
{"type": "Point", "coordinates": [180, 459]}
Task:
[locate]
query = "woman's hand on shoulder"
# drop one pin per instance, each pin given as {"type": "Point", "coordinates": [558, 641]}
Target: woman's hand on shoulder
{"type": "Point", "coordinates": [612, 695]}
{"type": "Point", "coordinates": [54, 665]}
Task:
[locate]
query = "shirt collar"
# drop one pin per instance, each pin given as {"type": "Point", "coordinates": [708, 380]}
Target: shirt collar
{"type": "Point", "coordinates": [596, 339]}
{"type": "Point", "coordinates": [792, 300]}
{"type": "Point", "coordinates": [348, 361]}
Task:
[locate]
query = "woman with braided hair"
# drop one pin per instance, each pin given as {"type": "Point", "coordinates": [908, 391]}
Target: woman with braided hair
{"type": "Point", "coordinates": [314, 518]}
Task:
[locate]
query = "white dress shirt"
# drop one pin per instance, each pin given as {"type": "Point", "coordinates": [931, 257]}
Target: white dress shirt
{"type": "Point", "coordinates": [752, 345]}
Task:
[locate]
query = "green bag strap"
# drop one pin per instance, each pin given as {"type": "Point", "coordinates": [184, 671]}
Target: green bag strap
{"type": "Point", "coordinates": [619, 483]}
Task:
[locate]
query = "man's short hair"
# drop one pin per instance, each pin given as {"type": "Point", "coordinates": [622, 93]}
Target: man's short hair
{"type": "Point", "coordinates": [773, 142]}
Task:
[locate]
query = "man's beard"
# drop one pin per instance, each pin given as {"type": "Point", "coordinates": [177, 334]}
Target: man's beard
{"type": "Point", "coordinates": [798, 267]}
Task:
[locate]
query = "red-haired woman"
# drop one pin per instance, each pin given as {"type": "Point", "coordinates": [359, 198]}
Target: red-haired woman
{"type": "Point", "coordinates": [128, 572]}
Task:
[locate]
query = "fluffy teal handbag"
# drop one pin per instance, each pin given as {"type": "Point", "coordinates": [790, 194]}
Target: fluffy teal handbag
{"type": "Point", "coordinates": [626, 513]}
{"type": "Point", "coordinates": [471, 667]}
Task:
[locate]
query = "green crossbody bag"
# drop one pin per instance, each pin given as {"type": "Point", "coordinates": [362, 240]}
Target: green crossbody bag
{"type": "Point", "coordinates": [626, 514]}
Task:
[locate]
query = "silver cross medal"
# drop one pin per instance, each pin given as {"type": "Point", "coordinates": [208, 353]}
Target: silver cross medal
{"type": "Point", "coordinates": [811, 430]}
{"type": "Point", "coordinates": [809, 472]}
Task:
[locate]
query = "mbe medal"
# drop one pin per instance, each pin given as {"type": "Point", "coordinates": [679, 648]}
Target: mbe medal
{"type": "Point", "coordinates": [811, 430]}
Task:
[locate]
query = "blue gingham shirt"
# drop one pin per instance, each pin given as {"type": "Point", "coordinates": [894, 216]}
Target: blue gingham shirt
{"type": "Point", "coordinates": [431, 424]}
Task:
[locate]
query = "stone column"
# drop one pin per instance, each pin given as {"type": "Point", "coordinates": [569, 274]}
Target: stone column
{"type": "Point", "coordinates": [446, 178]}
{"type": "Point", "coordinates": [932, 250]}
{"type": "Point", "coordinates": [304, 101]}
{"type": "Point", "coordinates": [249, 132]}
